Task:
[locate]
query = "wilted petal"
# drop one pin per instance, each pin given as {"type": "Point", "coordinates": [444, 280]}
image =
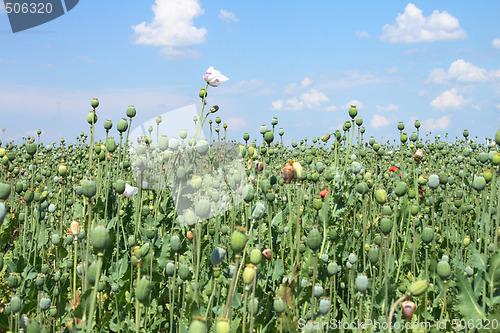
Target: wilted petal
{"type": "Point", "coordinates": [129, 191]}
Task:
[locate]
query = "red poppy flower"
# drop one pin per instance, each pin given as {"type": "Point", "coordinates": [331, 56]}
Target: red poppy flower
{"type": "Point", "coordinates": [400, 175]}
{"type": "Point", "coordinates": [324, 192]}
{"type": "Point", "coordinates": [393, 169]}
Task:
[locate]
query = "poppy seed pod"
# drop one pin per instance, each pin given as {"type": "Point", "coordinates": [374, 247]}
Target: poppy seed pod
{"type": "Point", "coordinates": [94, 103]}
{"type": "Point", "coordinates": [74, 228]}
{"type": "Point", "coordinates": [222, 326]}
{"type": "Point", "coordinates": [314, 239]}
{"type": "Point", "coordinates": [143, 290]}
{"type": "Point", "coordinates": [100, 238]}
{"type": "Point", "coordinates": [92, 118]}
{"type": "Point", "coordinates": [249, 274]}
{"type": "Point", "coordinates": [418, 288]}
{"type": "Point", "coordinates": [279, 305]}
{"type": "Point", "coordinates": [353, 112]}
{"type": "Point", "coordinates": [361, 282]}
{"type": "Point", "coordinates": [131, 112]}
{"type": "Point", "coordinates": [198, 325]}
{"type": "Point", "coordinates": [238, 239]}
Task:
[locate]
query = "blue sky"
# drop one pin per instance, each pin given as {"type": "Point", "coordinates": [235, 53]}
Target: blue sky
{"type": "Point", "coordinates": [304, 62]}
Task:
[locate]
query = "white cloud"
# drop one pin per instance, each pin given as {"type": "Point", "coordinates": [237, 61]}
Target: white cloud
{"type": "Point", "coordinates": [432, 124]}
{"type": "Point", "coordinates": [496, 43]}
{"type": "Point", "coordinates": [306, 82]}
{"type": "Point", "coordinates": [331, 108]}
{"type": "Point", "coordinates": [392, 70]}
{"type": "Point", "coordinates": [277, 105]}
{"type": "Point", "coordinates": [413, 27]}
{"type": "Point", "coordinates": [312, 100]}
{"type": "Point", "coordinates": [236, 123]}
{"type": "Point", "coordinates": [462, 71]}
{"type": "Point", "coordinates": [379, 121]}
{"type": "Point", "coordinates": [172, 28]}
{"type": "Point", "coordinates": [85, 59]}
{"type": "Point", "coordinates": [498, 106]}
{"type": "Point", "coordinates": [450, 99]}
{"type": "Point", "coordinates": [291, 88]}
{"type": "Point", "coordinates": [362, 34]}
{"type": "Point", "coordinates": [354, 102]}
{"type": "Point", "coordinates": [388, 108]}
{"type": "Point", "coordinates": [227, 16]}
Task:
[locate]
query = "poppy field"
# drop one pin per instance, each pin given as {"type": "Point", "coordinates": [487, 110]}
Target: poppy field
{"type": "Point", "coordinates": [194, 234]}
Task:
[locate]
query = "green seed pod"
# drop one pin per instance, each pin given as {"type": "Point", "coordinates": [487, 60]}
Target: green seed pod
{"type": "Point", "coordinates": [278, 305]}
{"type": "Point", "coordinates": [318, 291]}
{"type": "Point", "coordinates": [100, 238]}
{"type": "Point", "coordinates": [198, 325]}
{"type": "Point", "coordinates": [381, 196]}
{"type": "Point", "coordinates": [92, 273]}
{"type": "Point", "coordinates": [57, 276]}
{"type": "Point", "coordinates": [217, 255]}
{"type": "Point", "coordinates": [356, 167]}
{"type": "Point", "coordinates": [332, 268]}
{"type": "Point", "coordinates": [238, 239]}
{"type": "Point", "coordinates": [479, 183]}
{"type": "Point", "coordinates": [362, 188]}
{"type": "Point", "coordinates": [361, 283]}
{"type": "Point", "coordinates": [131, 112]}
{"type": "Point", "coordinates": [184, 272]}
{"type": "Point", "coordinates": [15, 304]}
{"type": "Point", "coordinates": [92, 118]}
{"type": "Point", "coordinates": [414, 209]}
{"type": "Point", "coordinates": [110, 145]}
{"type": "Point", "coordinates": [223, 326]}
{"type": "Point", "coordinates": [433, 181]}
{"type": "Point", "coordinates": [317, 203]}
{"type": "Point", "coordinates": [170, 269]}
{"type": "Point", "coordinates": [3, 212]}
{"type": "Point", "coordinates": [40, 280]}
{"type": "Point", "coordinates": [255, 256]}
{"type": "Point", "coordinates": [353, 112]}
{"type": "Point", "coordinates": [249, 274]}
{"type": "Point", "coordinates": [253, 306]}
{"type": "Point", "coordinates": [175, 243]}
{"type": "Point", "coordinates": [131, 241]}
{"type": "Point", "coordinates": [45, 303]}
{"type": "Point", "coordinates": [418, 288]}
{"type": "Point", "coordinates": [386, 225]}
{"type": "Point", "coordinates": [150, 232]}
{"type": "Point", "coordinates": [258, 211]}
{"type": "Point", "coordinates": [427, 235]}
{"type": "Point", "coordinates": [4, 191]}
{"type": "Point", "coordinates": [401, 189]}
{"type": "Point", "coordinates": [145, 249]}
{"type": "Point", "coordinates": [314, 239]}
{"type": "Point", "coordinates": [89, 188]}
{"type": "Point", "coordinates": [143, 290]}
{"type": "Point", "coordinates": [14, 280]}
{"type": "Point", "coordinates": [469, 271]}
{"type": "Point", "coordinates": [202, 209]}
{"type": "Point", "coordinates": [373, 255]}
{"type": "Point", "coordinates": [386, 210]}
{"type": "Point", "coordinates": [443, 269]}
{"type": "Point", "coordinates": [56, 239]}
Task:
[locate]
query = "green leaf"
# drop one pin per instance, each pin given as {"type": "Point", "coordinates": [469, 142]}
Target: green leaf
{"type": "Point", "coordinates": [277, 219]}
{"type": "Point", "coordinates": [466, 301]}
{"type": "Point", "coordinates": [277, 269]}
{"type": "Point", "coordinates": [494, 270]}
{"type": "Point", "coordinates": [478, 260]}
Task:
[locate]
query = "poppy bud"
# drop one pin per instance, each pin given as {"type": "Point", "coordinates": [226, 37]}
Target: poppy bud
{"type": "Point", "coordinates": [408, 310]}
